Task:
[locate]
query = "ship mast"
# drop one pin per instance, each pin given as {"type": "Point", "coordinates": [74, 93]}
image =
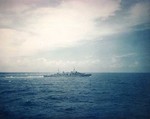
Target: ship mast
{"type": "Point", "coordinates": [74, 69]}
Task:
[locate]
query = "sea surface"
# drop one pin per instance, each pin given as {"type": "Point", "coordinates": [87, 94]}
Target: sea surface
{"type": "Point", "coordinates": [101, 96]}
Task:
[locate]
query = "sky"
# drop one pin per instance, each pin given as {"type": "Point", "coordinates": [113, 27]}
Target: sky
{"type": "Point", "coordinates": [90, 35]}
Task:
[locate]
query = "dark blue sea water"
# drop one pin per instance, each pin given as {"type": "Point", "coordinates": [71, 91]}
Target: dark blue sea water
{"type": "Point", "coordinates": [101, 96]}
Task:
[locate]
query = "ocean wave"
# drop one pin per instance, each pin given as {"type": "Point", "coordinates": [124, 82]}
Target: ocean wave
{"type": "Point", "coordinates": [41, 76]}
{"type": "Point", "coordinates": [8, 91]}
{"type": "Point", "coordinates": [21, 75]}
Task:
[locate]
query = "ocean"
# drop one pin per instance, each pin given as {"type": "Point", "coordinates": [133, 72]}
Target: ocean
{"type": "Point", "coordinates": [101, 96]}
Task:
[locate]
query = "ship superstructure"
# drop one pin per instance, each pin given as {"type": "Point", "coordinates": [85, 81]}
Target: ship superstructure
{"type": "Point", "coordinates": [73, 73]}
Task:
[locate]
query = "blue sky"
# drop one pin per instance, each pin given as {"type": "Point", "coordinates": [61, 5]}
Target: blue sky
{"type": "Point", "coordinates": [91, 35]}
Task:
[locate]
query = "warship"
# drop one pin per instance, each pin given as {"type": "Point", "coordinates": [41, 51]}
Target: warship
{"type": "Point", "coordinates": [73, 73]}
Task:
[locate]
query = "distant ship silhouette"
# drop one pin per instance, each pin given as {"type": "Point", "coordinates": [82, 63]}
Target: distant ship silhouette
{"type": "Point", "coordinates": [73, 73]}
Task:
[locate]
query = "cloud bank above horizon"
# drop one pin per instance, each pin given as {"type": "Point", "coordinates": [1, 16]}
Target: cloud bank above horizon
{"type": "Point", "coordinates": [31, 28]}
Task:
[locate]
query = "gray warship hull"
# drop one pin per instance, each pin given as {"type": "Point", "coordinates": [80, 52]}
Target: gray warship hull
{"type": "Point", "coordinates": [71, 74]}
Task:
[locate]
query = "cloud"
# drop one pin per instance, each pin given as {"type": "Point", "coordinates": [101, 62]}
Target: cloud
{"type": "Point", "coordinates": [44, 64]}
{"type": "Point", "coordinates": [126, 55]}
{"type": "Point", "coordinates": [94, 8]}
{"type": "Point", "coordinates": [45, 28]}
{"type": "Point", "coordinates": [125, 61]}
{"type": "Point", "coordinates": [128, 18]}
{"type": "Point", "coordinates": [140, 13]}
{"type": "Point", "coordinates": [17, 6]}
{"type": "Point", "coordinates": [30, 27]}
